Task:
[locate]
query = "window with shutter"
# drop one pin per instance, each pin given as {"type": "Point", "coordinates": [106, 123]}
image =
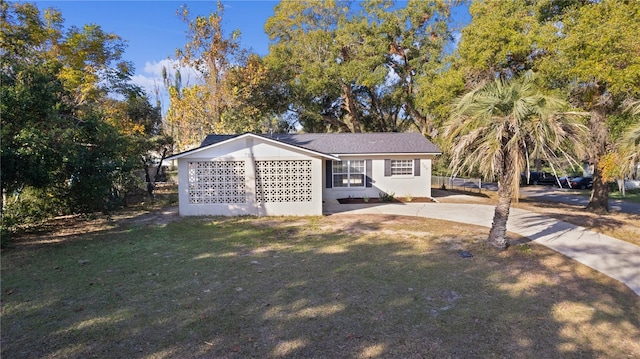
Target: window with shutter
{"type": "Point", "coordinates": [402, 167]}
{"type": "Point", "coordinates": [350, 173]}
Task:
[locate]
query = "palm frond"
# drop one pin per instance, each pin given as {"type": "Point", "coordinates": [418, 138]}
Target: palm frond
{"type": "Point", "coordinates": [633, 107]}
{"type": "Point", "coordinates": [631, 138]}
{"type": "Point", "coordinates": [514, 120]}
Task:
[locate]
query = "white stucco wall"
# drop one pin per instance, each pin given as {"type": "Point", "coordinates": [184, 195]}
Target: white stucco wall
{"type": "Point", "coordinates": [402, 186]}
{"type": "Point", "coordinates": [250, 149]}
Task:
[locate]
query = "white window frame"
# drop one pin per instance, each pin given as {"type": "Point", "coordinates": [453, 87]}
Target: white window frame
{"type": "Point", "coordinates": [402, 168]}
{"type": "Point", "coordinates": [350, 167]}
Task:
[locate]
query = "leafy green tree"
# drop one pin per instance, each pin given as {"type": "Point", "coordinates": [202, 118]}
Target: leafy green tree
{"type": "Point", "coordinates": [497, 127]}
{"type": "Point", "coordinates": [587, 50]}
{"type": "Point", "coordinates": [257, 97]}
{"type": "Point", "coordinates": [174, 89]}
{"type": "Point", "coordinates": [500, 40]}
{"type": "Point", "coordinates": [44, 146]}
{"type": "Point", "coordinates": [413, 40]}
{"type": "Point", "coordinates": [621, 159]}
{"type": "Point", "coordinates": [96, 161]}
{"type": "Point", "coordinates": [356, 69]}
{"type": "Point", "coordinates": [304, 53]}
{"type": "Point", "coordinates": [33, 116]}
{"type": "Point", "coordinates": [90, 58]}
{"type": "Point", "coordinates": [64, 139]}
{"type": "Point", "coordinates": [206, 106]}
{"type": "Point", "coordinates": [596, 57]}
{"type": "Point", "coordinates": [629, 142]}
{"type": "Point", "coordinates": [141, 123]}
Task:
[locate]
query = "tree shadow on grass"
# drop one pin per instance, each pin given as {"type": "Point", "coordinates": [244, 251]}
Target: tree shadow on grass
{"type": "Point", "coordinates": [327, 287]}
{"type": "Point", "coordinates": [66, 229]}
{"type": "Point", "coordinates": [440, 193]}
{"type": "Point", "coordinates": [577, 215]}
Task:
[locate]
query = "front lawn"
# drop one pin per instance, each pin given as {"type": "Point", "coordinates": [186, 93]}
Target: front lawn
{"type": "Point", "coordinates": [325, 287]}
{"type": "Point", "coordinates": [630, 195]}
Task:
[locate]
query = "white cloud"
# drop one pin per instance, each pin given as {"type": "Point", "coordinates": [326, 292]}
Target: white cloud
{"type": "Point", "coordinates": [188, 74]}
{"type": "Point", "coordinates": [155, 67]}
{"type": "Point", "coordinates": [148, 83]}
{"type": "Point", "coordinates": [152, 83]}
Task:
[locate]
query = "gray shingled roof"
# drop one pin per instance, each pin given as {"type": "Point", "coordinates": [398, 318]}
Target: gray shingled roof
{"type": "Point", "coordinates": [211, 139]}
{"type": "Point", "coordinates": [349, 143]}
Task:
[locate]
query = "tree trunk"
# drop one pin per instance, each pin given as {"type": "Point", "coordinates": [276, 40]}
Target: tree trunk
{"type": "Point", "coordinates": [350, 106]}
{"type": "Point", "coordinates": [423, 123]}
{"type": "Point", "coordinates": [621, 187]}
{"type": "Point", "coordinates": [147, 177]}
{"type": "Point", "coordinates": [506, 184]}
{"type": "Point", "coordinates": [599, 202]}
{"type": "Point", "coordinates": [498, 232]}
{"type": "Point", "coordinates": [164, 155]}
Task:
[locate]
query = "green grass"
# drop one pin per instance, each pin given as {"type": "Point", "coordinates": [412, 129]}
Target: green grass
{"type": "Point", "coordinates": [631, 196]}
{"type": "Point", "coordinates": [324, 287]}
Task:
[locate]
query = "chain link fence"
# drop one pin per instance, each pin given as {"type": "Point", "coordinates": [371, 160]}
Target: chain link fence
{"type": "Point", "coordinates": [463, 184]}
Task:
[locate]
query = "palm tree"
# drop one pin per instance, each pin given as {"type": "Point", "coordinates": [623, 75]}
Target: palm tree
{"type": "Point", "coordinates": [497, 127]}
{"type": "Point", "coordinates": [633, 107]}
{"type": "Point", "coordinates": [631, 139]}
{"type": "Point", "coordinates": [629, 144]}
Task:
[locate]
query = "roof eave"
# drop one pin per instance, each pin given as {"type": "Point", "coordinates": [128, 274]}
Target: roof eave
{"type": "Point", "coordinates": [198, 149]}
{"type": "Point", "coordinates": [298, 148]}
{"type": "Point", "coordinates": [389, 154]}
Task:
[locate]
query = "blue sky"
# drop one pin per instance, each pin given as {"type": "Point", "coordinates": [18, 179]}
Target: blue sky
{"type": "Point", "coordinates": [153, 30]}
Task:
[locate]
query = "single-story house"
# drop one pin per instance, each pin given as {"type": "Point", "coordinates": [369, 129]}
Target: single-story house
{"type": "Point", "coordinates": [293, 174]}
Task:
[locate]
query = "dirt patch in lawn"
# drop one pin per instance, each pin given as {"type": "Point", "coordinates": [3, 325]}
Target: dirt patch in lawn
{"type": "Point", "coordinates": [70, 228]}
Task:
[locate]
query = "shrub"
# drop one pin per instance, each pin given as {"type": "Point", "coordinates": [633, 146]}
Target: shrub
{"type": "Point", "coordinates": [387, 197]}
{"type": "Point", "coordinates": [30, 207]}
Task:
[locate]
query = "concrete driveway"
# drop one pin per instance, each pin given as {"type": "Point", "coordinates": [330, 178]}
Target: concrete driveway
{"type": "Point", "coordinates": [575, 197]}
{"type": "Point", "coordinates": [613, 257]}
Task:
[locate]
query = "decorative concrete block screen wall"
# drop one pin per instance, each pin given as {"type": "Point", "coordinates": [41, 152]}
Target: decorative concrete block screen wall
{"type": "Point", "coordinates": [217, 182]}
{"type": "Point", "coordinates": [284, 181]}
{"type": "Point", "coordinates": [250, 187]}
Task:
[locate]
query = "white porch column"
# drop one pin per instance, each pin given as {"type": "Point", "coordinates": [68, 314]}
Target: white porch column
{"type": "Point", "coordinates": [250, 180]}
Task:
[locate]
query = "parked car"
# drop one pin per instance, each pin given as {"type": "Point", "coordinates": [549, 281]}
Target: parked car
{"type": "Point", "coordinates": [582, 182]}
{"type": "Point", "coordinates": [631, 184]}
{"type": "Point", "coordinates": [539, 178]}
{"type": "Point", "coordinates": [565, 181]}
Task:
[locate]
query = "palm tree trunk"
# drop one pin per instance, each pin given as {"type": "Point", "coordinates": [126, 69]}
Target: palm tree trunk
{"type": "Point", "coordinates": [506, 184]}
{"type": "Point", "coordinates": [498, 232]}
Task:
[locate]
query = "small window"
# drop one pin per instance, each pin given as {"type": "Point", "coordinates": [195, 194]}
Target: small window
{"type": "Point", "coordinates": [401, 167]}
{"type": "Point", "coordinates": [349, 173]}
